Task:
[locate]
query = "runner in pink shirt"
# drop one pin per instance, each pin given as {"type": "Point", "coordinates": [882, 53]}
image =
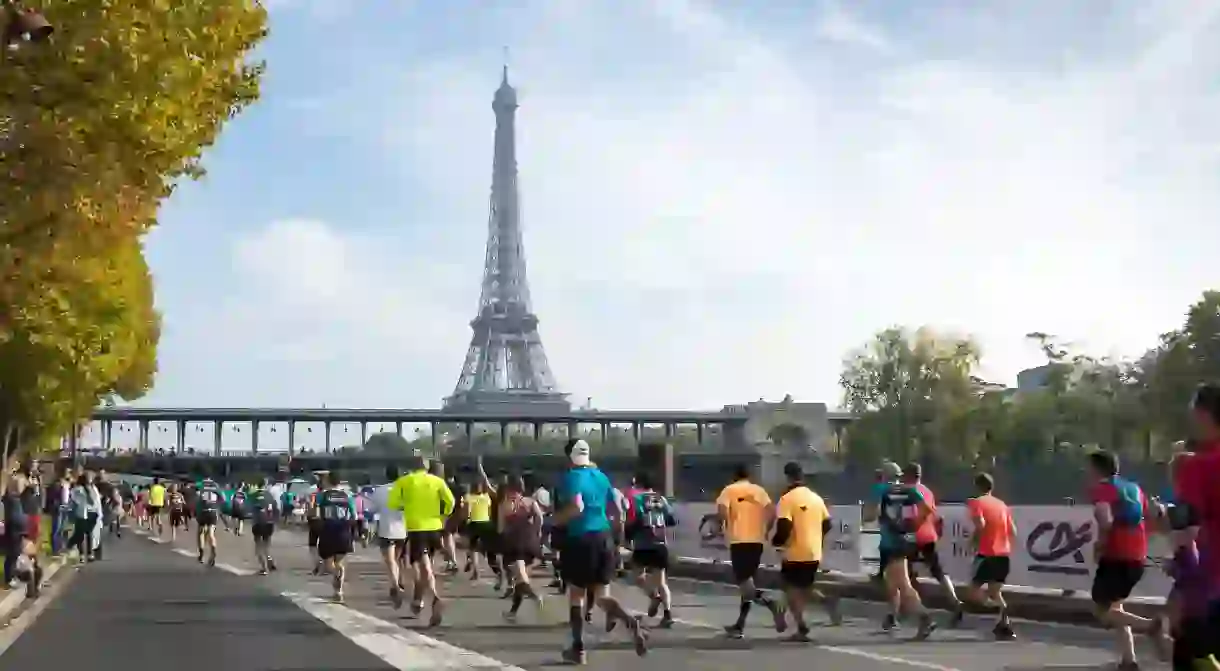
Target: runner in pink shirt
{"type": "Point", "coordinates": [926, 537]}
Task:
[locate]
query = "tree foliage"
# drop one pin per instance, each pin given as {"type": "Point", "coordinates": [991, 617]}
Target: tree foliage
{"type": "Point", "coordinates": [916, 396]}
{"type": "Point", "coordinates": [99, 123]}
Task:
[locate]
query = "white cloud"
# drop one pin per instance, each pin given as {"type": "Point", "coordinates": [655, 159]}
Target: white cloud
{"type": "Point", "coordinates": [722, 218]}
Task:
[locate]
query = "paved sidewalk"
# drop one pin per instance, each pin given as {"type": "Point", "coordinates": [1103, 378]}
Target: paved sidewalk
{"type": "Point", "coordinates": [474, 622]}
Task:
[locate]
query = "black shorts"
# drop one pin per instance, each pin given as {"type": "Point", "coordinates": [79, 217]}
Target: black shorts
{"type": "Point", "coordinates": [926, 554]}
{"type": "Point", "coordinates": [799, 574]}
{"type": "Point", "coordinates": [745, 558]}
{"type": "Point", "coordinates": [239, 515]}
{"type": "Point", "coordinates": [177, 518]}
{"type": "Point", "coordinates": [153, 511]}
{"type": "Point", "coordinates": [262, 531]}
{"type": "Point", "coordinates": [207, 518]}
{"type": "Point", "coordinates": [420, 543]}
{"type": "Point", "coordinates": [315, 531]}
{"type": "Point", "coordinates": [482, 536]}
{"type": "Point", "coordinates": [990, 570]}
{"type": "Point", "coordinates": [334, 543]}
{"type": "Point", "coordinates": [652, 558]}
{"type": "Point", "coordinates": [589, 559]}
{"type": "Point", "coordinates": [1114, 580]}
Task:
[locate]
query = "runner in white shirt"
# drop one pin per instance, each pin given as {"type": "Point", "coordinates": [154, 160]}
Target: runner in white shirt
{"type": "Point", "coordinates": [391, 536]}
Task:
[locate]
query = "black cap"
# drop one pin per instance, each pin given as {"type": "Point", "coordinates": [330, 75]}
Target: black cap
{"type": "Point", "coordinates": [793, 470]}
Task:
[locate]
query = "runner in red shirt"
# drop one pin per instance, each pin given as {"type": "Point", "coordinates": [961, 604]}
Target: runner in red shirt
{"type": "Point", "coordinates": [1120, 509]}
{"type": "Point", "coordinates": [1197, 491]}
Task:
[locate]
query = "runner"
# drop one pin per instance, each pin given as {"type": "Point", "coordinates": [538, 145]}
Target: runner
{"type": "Point", "coordinates": [1120, 509]}
{"type": "Point", "coordinates": [156, 504]}
{"type": "Point", "coordinates": [926, 537]}
{"type": "Point", "coordinates": [899, 510]}
{"type": "Point", "coordinates": [239, 509]}
{"type": "Point", "coordinates": [367, 515]}
{"type": "Point", "coordinates": [391, 536]}
{"type": "Point", "coordinates": [994, 533]}
{"type": "Point", "coordinates": [336, 514]}
{"type": "Point", "coordinates": [265, 509]}
{"type": "Point", "coordinates": [589, 559]}
{"type": "Point", "coordinates": [448, 544]}
{"type": "Point", "coordinates": [802, 522]}
{"type": "Point", "coordinates": [519, 525]}
{"type": "Point", "coordinates": [209, 502]}
{"type": "Point", "coordinates": [314, 524]}
{"type": "Point", "coordinates": [417, 494]}
{"type": "Point", "coordinates": [480, 528]}
{"type": "Point", "coordinates": [746, 513]}
{"type": "Point", "coordinates": [177, 510]}
{"type": "Point", "coordinates": [648, 518]}
{"type": "Point", "coordinates": [1198, 493]}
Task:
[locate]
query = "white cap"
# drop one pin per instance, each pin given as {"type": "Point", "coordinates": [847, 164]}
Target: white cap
{"type": "Point", "coordinates": [580, 454]}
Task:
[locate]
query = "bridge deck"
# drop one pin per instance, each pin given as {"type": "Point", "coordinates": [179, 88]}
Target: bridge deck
{"type": "Point", "coordinates": [152, 603]}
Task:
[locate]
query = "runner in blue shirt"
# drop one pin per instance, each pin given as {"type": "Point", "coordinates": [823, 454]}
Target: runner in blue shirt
{"type": "Point", "coordinates": [589, 552]}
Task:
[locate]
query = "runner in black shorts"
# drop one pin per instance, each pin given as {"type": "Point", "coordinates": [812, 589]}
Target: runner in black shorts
{"type": "Point", "coordinates": [589, 552]}
{"type": "Point", "coordinates": [336, 512]}
{"type": "Point", "coordinates": [745, 508]}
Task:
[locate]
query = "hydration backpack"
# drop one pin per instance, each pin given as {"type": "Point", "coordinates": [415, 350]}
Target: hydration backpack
{"type": "Point", "coordinates": [1128, 507]}
{"type": "Point", "coordinates": [651, 510]}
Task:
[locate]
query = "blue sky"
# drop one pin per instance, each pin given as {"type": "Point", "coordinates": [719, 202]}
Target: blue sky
{"type": "Point", "coordinates": [720, 201]}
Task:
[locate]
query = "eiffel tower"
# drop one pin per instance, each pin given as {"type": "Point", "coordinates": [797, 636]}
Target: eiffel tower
{"type": "Point", "coordinates": [506, 369]}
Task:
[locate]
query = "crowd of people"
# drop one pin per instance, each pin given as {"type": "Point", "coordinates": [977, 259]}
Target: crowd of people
{"type": "Point", "coordinates": [514, 523]}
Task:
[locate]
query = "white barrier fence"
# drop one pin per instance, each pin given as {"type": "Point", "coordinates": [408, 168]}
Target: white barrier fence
{"type": "Point", "coordinates": [1054, 545]}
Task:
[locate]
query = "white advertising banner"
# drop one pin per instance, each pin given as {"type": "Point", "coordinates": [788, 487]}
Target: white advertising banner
{"type": "Point", "coordinates": [1054, 549]}
{"type": "Point", "coordinates": [699, 535]}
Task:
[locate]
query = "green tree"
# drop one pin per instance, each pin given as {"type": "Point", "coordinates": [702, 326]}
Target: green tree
{"type": "Point", "coordinates": [914, 395]}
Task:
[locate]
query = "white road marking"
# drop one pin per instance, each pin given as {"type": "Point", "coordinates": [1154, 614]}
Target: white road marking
{"type": "Point", "coordinates": [235, 570]}
{"type": "Point", "coordinates": [841, 649]}
{"type": "Point", "coordinates": [187, 553]}
{"type": "Point", "coordinates": [402, 649]}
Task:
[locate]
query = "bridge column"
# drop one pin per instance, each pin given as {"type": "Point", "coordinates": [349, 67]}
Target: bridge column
{"type": "Point", "coordinates": [537, 431]}
{"type": "Point", "coordinates": [142, 445]}
{"type": "Point", "coordinates": [573, 430]}
{"type": "Point", "coordinates": [670, 430]}
{"type": "Point", "coordinates": [107, 429]}
{"type": "Point", "coordinates": [699, 433]}
{"type": "Point", "coordinates": [605, 426]}
{"type": "Point", "coordinates": [398, 427]}
{"type": "Point", "coordinates": [432, 433]}
{"type": "Point", "coordinates": [180, 444]}
{"type": "Point", "coordinates": [635, 433]}
{"type": "Point", "coordinates": [327, 437]}
{"type": "Point", "coordinates": [292, 438]}
{"type": "Point", "coordinates": [254, 439]}
{"type": "Point", "coordinates": [364, 434]}
{"type": "Point", "coordinates": [504, 436]}
{"type": "Point", "coordinates": [218, 428]}
{"type": "Point", "coordinates": [470, 436]}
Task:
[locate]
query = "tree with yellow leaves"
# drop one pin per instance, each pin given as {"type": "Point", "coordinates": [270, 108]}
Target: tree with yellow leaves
{"type": "Point", "coordinates": [99, 123]}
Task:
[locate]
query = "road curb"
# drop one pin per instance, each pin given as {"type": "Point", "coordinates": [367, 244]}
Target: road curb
{"type": "Point", "coordinates": [16, 597]}
{"type": "Point", "coordinates": [1041, 607]}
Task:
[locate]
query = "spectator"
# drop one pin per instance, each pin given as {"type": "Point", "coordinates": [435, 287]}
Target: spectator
{"type": "Point", "coordinates": [86, 506]}
{"type": "Point", "coordinates": [57, 506]}
{"type": "Point", "coordinates": [16, 527]}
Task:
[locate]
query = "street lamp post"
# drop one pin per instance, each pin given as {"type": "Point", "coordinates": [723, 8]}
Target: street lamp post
{"type": "Point", "coordinates": [23, 24]}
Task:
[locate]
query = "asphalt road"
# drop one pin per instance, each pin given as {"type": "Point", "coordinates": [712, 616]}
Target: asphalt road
{"type": "Point", "coordinates": [152, 603]}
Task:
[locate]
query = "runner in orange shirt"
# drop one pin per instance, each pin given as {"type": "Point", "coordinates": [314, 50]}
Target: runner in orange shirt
{"type": "Point", "coordinates": [994, 532]}
{"type": "Point", "coordinates": [926, 537]}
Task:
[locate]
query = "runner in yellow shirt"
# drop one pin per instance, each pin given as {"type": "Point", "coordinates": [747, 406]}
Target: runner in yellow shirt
{"type": "Point", "coordinates": [425, 501]}
{"type": "Point", "coordinates": [156, 504]}
{"type": "Point", "coordinates": [801, 524]}
{"type": "Point", "coordinates": [747, 514]}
